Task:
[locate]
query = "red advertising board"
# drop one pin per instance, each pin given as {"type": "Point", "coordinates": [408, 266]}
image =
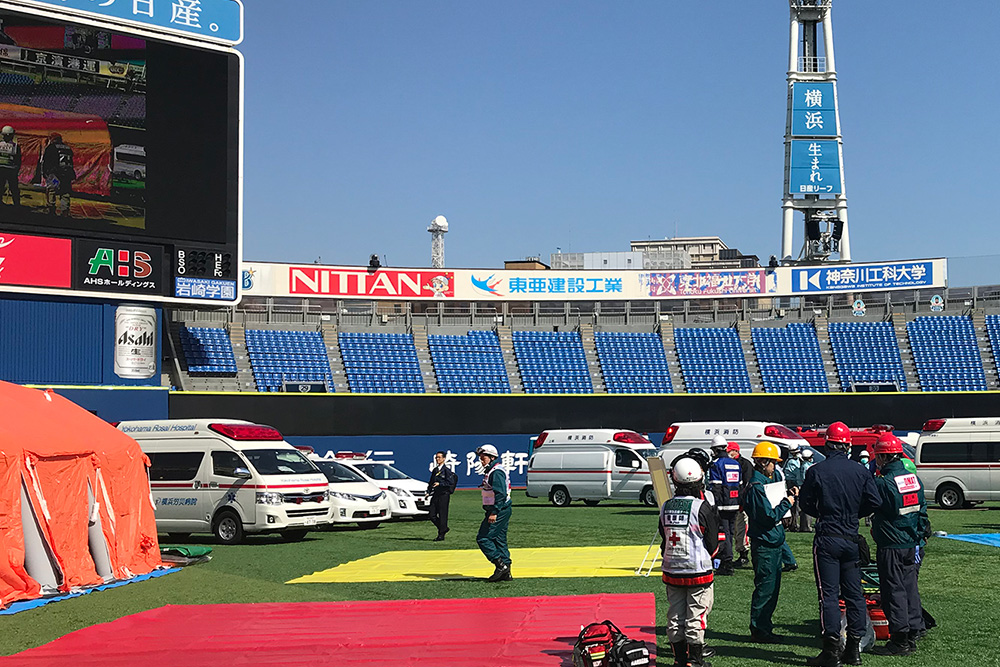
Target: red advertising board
{"type": "Point", "coordinates": [35, 261]}
{"type": "Point", "coordinates": [360, 283]}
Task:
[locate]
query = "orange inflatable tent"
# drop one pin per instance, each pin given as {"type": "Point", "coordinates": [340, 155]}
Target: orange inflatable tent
{"type": "Point", "coordinates": [75, 504]}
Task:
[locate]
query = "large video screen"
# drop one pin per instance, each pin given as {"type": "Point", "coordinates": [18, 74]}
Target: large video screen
{"type": "Point", "coordinates": [106, 136]}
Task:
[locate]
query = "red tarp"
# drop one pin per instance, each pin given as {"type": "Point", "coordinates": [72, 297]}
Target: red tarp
{"type": "Point", "coordinates": [86, 135]}
{"type": "Point", "coordinates": [490, 632]}
{"type": "Point", "coordinates": [56, 449]}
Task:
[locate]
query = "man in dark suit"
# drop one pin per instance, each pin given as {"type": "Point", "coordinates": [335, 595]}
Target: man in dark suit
{"type": "Point", "coordinates": [439, 488]}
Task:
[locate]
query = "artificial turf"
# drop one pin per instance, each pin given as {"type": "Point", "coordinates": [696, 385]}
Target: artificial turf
{"type": "Point", "coordinates": [957, 582]}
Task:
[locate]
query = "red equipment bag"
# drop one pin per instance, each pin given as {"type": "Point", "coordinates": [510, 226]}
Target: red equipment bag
{"type": "Point", "coordinates": [604, 645]}
{"type": "Point", "coordinates": [593, 645]}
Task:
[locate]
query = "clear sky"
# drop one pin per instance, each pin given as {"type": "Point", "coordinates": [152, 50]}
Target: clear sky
{"type": "Point", "coordinates": [586, 124]}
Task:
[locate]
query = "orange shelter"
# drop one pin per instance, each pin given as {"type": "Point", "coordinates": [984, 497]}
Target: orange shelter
{"type": "Point", "coordinates": [75, 503]}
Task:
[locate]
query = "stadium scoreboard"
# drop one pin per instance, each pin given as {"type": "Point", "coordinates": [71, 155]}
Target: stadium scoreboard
{"type": "Point", "coordinates": [120, 149]}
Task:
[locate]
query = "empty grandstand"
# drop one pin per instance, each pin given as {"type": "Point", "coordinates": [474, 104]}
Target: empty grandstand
{"type": "Point", "coordinates": [470, 364]}
{"type": "Point", "coordinates": [946, 353]}
{"type": "Point", "coordinates": [790, 359]}
{"type": "Point", "coordinates": [633, 362]}
{"type": "Point", "coordinates": [283, 357]}
{"type": "Point", "coordinates": [381, 363]}
{"type": "Point", "coordinates": [207, 351]}
{"type": "Point", "coordinates": [867, 353]}
{"type": "Point", "coordinates": [712, 360]}
{"type": "Point", "coordinates": [552, 362]}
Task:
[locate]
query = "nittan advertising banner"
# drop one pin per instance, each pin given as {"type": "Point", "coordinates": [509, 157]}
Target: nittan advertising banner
{"type": "Point", "coordinates": [423, 284]}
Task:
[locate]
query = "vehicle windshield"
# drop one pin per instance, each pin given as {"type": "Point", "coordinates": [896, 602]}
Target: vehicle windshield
{"type": "Point", "coordinates": [279, 462]}
{"type": "Point", "coordinates": [380, 471]}
{"type": "Point", "coordinates": [337, 473]}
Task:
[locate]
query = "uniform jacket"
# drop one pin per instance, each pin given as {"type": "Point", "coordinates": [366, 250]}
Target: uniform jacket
{"type": "Point", "coordinates": [837, 492]}
{"type": "Point", "coordinates": [794, 472]}
{"type": "Point", "coordinates": [897, 523]}
{"type": "Point", "coordinates": [693, 527]}
{"type": "Point", "coordinates": [496, 481]}
{"type": "Point", "coordinates": [726, 478]}
{"type": "Point", "coordinates": [763, 520]}
{"type": "Point", "coordinates": [447, 481]}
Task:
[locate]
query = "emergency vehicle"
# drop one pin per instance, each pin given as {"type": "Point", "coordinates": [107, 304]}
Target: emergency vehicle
{"type": "Point", "coordinates": [407, 496]}
{"type": "Point", "coordinates": [682, 436]}
{"type": "Point", "coordinates": [353, 498]}
{"type": "Point", "coordinates": [958, 460]}
{"type": "Point", "coordinates": [590, 465]}
{"type": "Point", "coordinates": [229, 477]}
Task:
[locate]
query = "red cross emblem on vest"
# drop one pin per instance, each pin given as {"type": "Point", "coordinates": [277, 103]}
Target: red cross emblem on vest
{"type": "Point", "coordinates": [674, 538]}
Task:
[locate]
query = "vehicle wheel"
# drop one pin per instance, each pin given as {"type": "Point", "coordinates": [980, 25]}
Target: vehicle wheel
{"type": "Point", "coordinates": [138, 175]}
{"type": "Point", "coordinates": [560, 496]}
{"type": "Point", "coordinates": [294, 535]}
{"type": "Point", "coordinates": [591, 503]}
{"type": "Point", "coordinates": [178, 536]}
{"type": "Point", "coordinates": [227, 527]}
{"type": "Point", "coordinates": [950, 497]}
{"type": "Point", "coordinates": [368, 525]}
{"type": "Point", "coordinates": [647, 497]}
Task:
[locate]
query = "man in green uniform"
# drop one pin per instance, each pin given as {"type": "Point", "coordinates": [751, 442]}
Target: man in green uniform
{"type": "Point", "coordinates": [492, 537]}
{"type": "Point", "coordinates": [767, 539]}
{"type": "Point", "coordinates": [896, 527]}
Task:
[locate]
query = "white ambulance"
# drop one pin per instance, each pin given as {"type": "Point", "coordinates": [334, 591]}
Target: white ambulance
{"type": "Point", "coordinates": [958, 460]}
{"type": "Point", "coordinates": [229, 478]}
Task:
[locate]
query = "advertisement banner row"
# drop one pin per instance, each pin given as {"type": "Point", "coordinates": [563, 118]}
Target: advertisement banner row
{"type": "Point", "coordinates": [115, 269]}
{"type": "Point", "coordinates": [344, 282]}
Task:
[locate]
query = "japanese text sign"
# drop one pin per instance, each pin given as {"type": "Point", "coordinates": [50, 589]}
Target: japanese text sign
{"type": "Point", "coordinates": [213, 20]}
{"type": "Point", "coordinates": [815, 168]}
{"type": "Point", "coordinates": [814, 111]}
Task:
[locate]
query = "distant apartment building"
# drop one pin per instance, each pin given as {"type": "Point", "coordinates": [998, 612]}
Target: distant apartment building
{"type": "Point", "coordinates": [678, 254]}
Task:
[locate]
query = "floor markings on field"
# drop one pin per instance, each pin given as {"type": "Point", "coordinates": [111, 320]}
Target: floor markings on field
{"type": "Point", "coordinates": [620, 561]}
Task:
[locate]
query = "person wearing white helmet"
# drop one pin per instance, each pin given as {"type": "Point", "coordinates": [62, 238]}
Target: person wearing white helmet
{"type": "Point", "coordinates": [794, 477]}
{"type": "Point", "coordinates": [689, 528]}
{"type": "Point", "coordinates": [10, 165]}
{"type": "Point", "coordinates": [492, 536]}
{"type": "Point", "coordinates": [805, 521]}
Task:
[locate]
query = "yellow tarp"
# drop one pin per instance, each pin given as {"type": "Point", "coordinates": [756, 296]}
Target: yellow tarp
{"type": "Point", "coordinates": [432, 565]}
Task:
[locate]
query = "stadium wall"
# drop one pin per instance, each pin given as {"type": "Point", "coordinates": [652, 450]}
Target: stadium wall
{"type": "Point", "coordinates": [63, 342]}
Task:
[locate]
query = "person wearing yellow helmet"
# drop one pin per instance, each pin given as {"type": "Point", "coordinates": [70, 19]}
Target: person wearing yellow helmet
{"type": "Point", "coordinates": [767, 540]}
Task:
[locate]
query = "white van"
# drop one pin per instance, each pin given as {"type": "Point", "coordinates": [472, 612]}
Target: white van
{"type": "Point", "coordinates": [590, 465]}
{"type": "Point", "coordinates": [229, 477]}
{"type": "Point", "coordinates": [958, 460]}
{"type": "Point", "coordinates": [682, 436]}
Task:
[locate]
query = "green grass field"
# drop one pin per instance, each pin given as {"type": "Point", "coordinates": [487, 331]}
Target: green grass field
{"type": "Point", "coordinates": [958, 581]}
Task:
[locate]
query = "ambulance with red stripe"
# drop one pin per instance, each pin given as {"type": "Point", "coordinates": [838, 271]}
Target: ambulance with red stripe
{"type": "Point", "coordinates": [229, 478]}
{"type": "Point", "coordinates": [958, 460]}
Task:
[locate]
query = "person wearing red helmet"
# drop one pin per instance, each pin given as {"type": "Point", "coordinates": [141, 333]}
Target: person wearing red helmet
{"type": "Point", "coordinates": [726, 479]}
{"type": "Point", "coordinates": [838, 492]}
{"type": "Point", "coordinates": [897, 527]}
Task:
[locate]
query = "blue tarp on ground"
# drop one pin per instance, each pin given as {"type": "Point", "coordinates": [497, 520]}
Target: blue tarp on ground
{"type": "Point", "coordinates": [25, 605]}
{"type": "Point", "coordinates": [989, 539]}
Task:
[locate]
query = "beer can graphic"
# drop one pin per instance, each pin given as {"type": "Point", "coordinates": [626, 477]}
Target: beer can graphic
{"type": "Point", "coordinates": [135, 342]}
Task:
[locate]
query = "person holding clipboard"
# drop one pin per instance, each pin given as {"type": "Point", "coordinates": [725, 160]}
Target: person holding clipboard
{"type": "Point", "coordinates": [767, 539]}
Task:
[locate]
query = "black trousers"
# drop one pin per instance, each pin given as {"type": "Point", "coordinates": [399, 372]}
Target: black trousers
{"type": "Point", "coordinates": [439, 511]}
{"type": "Point", "coordinates": [897, 577]}
{"type": "Point", "coordinates": [837, 574]}
{"type": "Point", "coordinates": [8, 179]}
{"type": "Point", "coordinates": [727, 525]}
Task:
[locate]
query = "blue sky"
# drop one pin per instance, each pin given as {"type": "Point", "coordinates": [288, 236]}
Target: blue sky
{"type": "Point", "coordinates": [584, 125]}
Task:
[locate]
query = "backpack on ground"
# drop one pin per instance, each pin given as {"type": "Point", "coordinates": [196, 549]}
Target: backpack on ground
{"type": "Point", "coordinates": [604, 645]}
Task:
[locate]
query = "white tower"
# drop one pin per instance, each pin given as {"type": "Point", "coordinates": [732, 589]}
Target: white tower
{"type": "Point", "coordinates": [814, 155]}
{"type": "Point", "coordinates": [438, 228]}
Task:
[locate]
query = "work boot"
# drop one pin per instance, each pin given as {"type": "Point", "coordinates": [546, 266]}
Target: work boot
{"type": "Point", "coordinates": [911, 639]}
{"type": "Point", "coordinates": [898, 646]}
{"type": "Point", "coordinates": [680, 653]}
{"type": "Point", "coordinates": [743, 561]}
{"type": "Point", "coordinates": [830, 656]}
{"type": "Point", "coordinates": [696, 656]}
{"type": "Point", "coordinates": [852, 651]}
{"type": "Point", "coordinates": [502, 573]}
{"type": "Point", "coordinates": [725, 569]}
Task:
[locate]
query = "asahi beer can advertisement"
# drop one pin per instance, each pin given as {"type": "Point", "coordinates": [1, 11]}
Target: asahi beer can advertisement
{"type": "Point", "coordinates": [135, 342]}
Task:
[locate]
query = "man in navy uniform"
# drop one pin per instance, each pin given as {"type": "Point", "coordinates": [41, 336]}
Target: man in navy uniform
{"type": "Point", "coordinates": [440, 487]}
{"type": "Point", "coordinates": [838, 492]}
{"type": "Point", "coordinates": [726, 480]}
